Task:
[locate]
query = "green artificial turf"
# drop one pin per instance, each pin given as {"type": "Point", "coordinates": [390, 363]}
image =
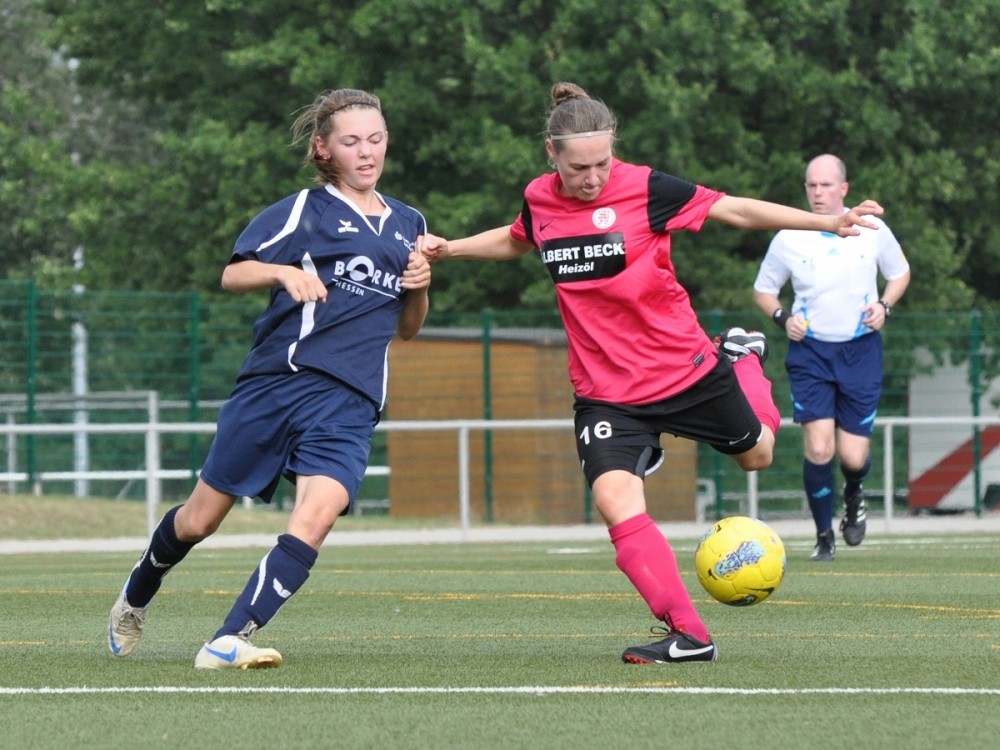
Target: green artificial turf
{"type": "Point", "coordinates": [893, 614]}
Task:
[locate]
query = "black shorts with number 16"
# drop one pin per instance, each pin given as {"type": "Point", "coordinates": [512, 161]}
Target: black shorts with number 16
{"type": "Point", "coordinates": [713, 411]}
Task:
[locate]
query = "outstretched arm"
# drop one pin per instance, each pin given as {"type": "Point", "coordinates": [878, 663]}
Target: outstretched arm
{"type": "Point", "coordinates": [748, 213]}
{"type": "Point", "coordinates": [249, 275]}
{"type": "Point", "coordinates": [493, 244]}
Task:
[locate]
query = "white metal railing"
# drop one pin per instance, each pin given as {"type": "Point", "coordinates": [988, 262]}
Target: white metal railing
{"type": "Point", "coordinates": [153, 474]}
{"type": "Point", "coordinates": [888, 480]}
{"type": "Point", "coordinates": [81, 405]}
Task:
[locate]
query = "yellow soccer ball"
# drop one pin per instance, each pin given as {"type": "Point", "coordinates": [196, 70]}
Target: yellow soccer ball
{"type": "Point", "coordinates": [740, 561]}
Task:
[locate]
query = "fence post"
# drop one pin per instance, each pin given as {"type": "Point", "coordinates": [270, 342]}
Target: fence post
{"type": "Point", "coordinates": [31, 384]}
{"type": "Point", "coordinates": [753, 506]}
{"type": "Point", "coordinates": [888, 480]}
{"type": "Point", "coordinates": [152, 463]}
{"type": "Point", "coordinates": [463, 480]}
{"type": "Point", "coordinates": [715, 326]}
{"type": "Point", "coordinates": [194, 382]}
{"type": "Point", "coordinates": [974, 378]}
{"type": "Point", "coordinates": [11, 455]}
{"type": "Point", "coordinates": [81, 414]}
{"type": "Point", "coordinates": [487, 414]}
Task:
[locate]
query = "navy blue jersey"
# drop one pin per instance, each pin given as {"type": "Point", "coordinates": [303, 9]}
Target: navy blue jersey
{"type": "Point", "coordinates": [323, 233]}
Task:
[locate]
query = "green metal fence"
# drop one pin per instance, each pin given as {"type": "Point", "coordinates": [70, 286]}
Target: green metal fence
{"type": "Point", "coordinates": [189, 350]}
{"type": "Point", "coordinates": [915, 345]}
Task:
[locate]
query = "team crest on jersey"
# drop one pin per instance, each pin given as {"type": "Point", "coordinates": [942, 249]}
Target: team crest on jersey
{"type": "Point", "coordinates": [592, 256]}
{"type": "Point", "coordinates": [604, 218]}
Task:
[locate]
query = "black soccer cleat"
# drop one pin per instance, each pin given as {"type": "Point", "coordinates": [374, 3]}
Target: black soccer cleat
{"type": "Point", "coordinates": [675, 647]}
{"type": "Point", "coordinates": [736, 344]}
{"type": "Point", "coordinates": [826, 547]}
{"type": "Point", "coordinates": [853, 526]}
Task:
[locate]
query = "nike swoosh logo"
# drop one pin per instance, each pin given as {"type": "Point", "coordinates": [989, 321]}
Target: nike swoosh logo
{"type": "Point", "coordinates": [115, 648]}
{"type": "Point", "coordinates": [680, 653]}
{"type": "Point", "coordinates": [230, 657]}
{"type": "Point", "coordinates": [734, 442]}
{"type": "Point", "coordinates": [541, 227]}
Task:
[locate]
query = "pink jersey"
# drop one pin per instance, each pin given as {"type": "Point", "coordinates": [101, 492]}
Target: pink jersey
{"type": "Point", "coordinates": [633, 336]}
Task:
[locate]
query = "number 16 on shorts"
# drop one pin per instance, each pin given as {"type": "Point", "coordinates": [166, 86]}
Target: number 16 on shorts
{"type": "Point", "coordinates": [608, 440]}
{"type": "Point", "coordinates": [602, 431]}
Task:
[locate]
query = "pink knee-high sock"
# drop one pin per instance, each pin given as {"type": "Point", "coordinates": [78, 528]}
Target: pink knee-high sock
{"type": "Point", "coordinates": [757, 389]}
{"type": "Point", "coordinates": [644, 555]}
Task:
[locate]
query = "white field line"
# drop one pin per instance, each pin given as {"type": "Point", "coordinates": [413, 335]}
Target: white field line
{"type": "Point", "coordinates": [520, 690]}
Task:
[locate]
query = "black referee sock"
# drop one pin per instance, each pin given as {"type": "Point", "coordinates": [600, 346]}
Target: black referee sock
{"type": "Point", "coordinates": [853, 479]}
{"type": "Point", "coordinates": [164, 552]}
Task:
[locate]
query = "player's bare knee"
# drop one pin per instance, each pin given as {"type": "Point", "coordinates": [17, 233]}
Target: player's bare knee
{"type": "Point", "coordinates": [618, 496]}
{"type": "Point", "coordinates": [195, 526]}
{"type": "Point", "coordinates": [312, 530]}
{"type": "Point", "coordinates": [314, 516]}
{"type": "Point", "coordinates": [853, 451]}
{"type": "Point", "coordinates": [755, 460]}
{"type": "Point", "coordinates": [760, 456]}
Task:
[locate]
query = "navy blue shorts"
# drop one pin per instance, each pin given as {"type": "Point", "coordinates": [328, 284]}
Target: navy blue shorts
{"type": "Point", "coordinates": [303, 423]}
{"type": "Point", "coordinates": [837, 380]}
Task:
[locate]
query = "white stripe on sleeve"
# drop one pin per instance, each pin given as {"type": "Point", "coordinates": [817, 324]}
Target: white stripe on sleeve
{"type": "Point", "coordinates": [293, 220]}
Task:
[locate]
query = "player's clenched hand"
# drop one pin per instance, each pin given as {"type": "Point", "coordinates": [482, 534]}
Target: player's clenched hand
{"type": "Point", "coordinates": [302, 286]}
{"type": "Point", "coordinates": [418, 272]}
{"type": "Point", "coordinates": [432, 247]}
{"type": "Point", "coordinates": [847, 224]}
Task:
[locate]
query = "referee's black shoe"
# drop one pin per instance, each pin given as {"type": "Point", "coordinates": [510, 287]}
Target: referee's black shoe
{"type": "Point", "coordinates": [677, 646]}
{"type": "Point", "coordinates": [853, 526]}
{"type": "Point", "coordinates": [737, 344]}
{"type": "Point", "coordinates": [826, 547]}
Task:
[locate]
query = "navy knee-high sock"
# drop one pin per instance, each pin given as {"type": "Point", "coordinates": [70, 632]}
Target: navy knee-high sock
{"type": "Point", "coordinates": [162, 554]}
{"type": "Point", "coordinates": [853, 479]}
{"type": "Point", "coordinates": [280, 574]}
{"type": "Point", "coordinates": [818, 480]}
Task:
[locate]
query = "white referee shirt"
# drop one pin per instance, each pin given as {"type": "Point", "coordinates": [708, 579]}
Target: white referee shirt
{"type": "Point", "coordinates": [832, 277]}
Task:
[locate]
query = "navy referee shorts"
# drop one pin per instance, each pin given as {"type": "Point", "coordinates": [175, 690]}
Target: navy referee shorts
{"type": "Point", "coordinates": [839, 380]}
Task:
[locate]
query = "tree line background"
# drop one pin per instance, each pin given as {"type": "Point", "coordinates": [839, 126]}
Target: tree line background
{"type": "Point", "coordinates": [150, 133]}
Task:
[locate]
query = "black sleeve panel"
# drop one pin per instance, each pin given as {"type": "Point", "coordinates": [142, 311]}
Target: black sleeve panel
{"type": "Point", "coordinates": [526, 218]}
{"type": "Point", "coordinates": [667, 196]}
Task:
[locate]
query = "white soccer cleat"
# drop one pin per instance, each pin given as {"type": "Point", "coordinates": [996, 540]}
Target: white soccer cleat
{"type": "Point", "coordinates": [233, 652]}
{"type": "Point", "coordinates": [125, 624]}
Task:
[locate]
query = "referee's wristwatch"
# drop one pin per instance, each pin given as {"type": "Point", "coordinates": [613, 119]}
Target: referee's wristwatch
{"type": "Point", "coordinates": [887, 306]}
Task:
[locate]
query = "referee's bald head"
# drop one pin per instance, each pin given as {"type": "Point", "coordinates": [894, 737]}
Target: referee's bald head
{"type": "Point", "coordinates": [831, 160]}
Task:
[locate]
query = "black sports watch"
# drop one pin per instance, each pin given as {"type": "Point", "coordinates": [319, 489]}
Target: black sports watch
{"type": "Point", "coordinates": [887, 306]}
